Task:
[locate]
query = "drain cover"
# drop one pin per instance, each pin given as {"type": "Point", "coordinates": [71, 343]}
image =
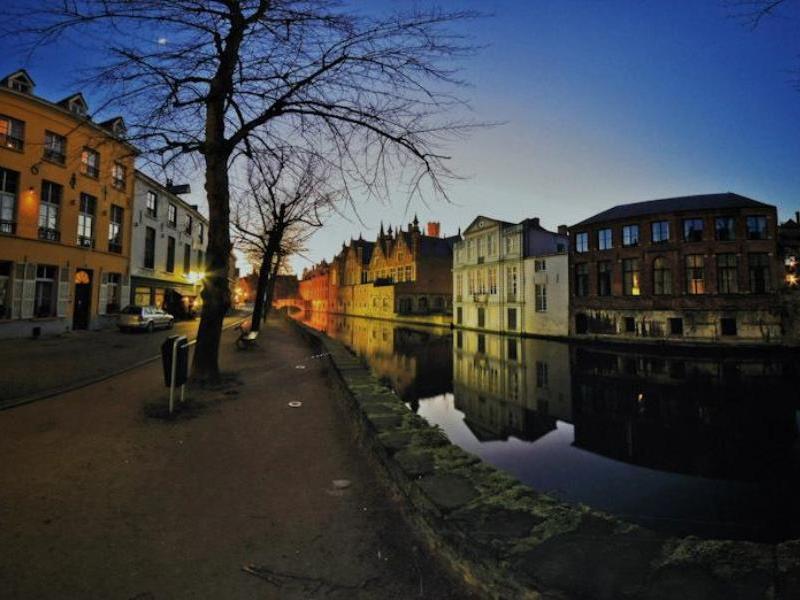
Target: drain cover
{"type": "Point", "coordinates": [295, 404]}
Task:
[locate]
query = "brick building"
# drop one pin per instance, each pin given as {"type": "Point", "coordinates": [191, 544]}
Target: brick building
{"type": "Point", "coordinates": [700, 267]}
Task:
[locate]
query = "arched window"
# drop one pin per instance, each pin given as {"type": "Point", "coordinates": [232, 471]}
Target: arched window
{"type": "Point", "coordinates": [662, 277]}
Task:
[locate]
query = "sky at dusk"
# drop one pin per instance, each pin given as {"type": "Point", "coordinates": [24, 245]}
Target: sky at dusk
{"type": "Point", "coordinates": [601, 103]}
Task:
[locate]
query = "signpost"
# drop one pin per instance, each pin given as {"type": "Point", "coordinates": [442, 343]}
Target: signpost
{"type": "Point", "coordinates": [175, 361]}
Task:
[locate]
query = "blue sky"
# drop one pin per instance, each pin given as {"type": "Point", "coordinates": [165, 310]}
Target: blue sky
{"type": "Point", "coordinates": [603, 102]}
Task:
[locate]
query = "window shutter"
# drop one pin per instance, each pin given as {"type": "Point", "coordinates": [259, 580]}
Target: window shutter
{"type": "Point", "coordinates": [16, 300]}
{"type": "Point", "coordinates": [125, 292]}
{"type": "Point", "coordinates": [101, 307]}
{"type": "Point", "coordinates": [63, 292]}
{"type": "Point", "coordinates": [28, 290]}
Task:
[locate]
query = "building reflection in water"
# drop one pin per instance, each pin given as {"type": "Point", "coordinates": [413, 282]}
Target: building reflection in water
{"type": "Point", "coordinates": [698, 444]}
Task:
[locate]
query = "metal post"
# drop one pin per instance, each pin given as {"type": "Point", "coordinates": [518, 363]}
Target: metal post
{"type": "Point", "coordinates": [172, 378]}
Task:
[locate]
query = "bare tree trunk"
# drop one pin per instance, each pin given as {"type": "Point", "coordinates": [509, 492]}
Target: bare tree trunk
{"type": "Point", "coordinates": [216, 295]}
{"type": "Point", "coordinates": [259, 306]}
{"type": "Point", "coordinates": [271, 286]}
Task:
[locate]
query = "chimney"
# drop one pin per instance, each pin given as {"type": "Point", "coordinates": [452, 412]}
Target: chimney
{"type": "Point", "coordinates": [434, 228]}
{"type": "Point", "coordinates": [562, 230]}
{"type": "Point", "coordinates": [535, 221]}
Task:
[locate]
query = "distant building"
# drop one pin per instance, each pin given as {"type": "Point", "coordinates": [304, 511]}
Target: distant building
{"type": "Point", "coordinates": [695, 267]}
{"type": "Point", "coordinates": [511, 278]}
{"type": "Point", "coordinates": [401, 274]}
{"type": "Point", "coordinates": [66, 194]}
{"type": "Point", "coordinates": [168, 251]}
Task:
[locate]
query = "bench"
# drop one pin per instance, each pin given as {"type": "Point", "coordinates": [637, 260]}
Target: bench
{"type": "Point", "coordinates": [246, 339]}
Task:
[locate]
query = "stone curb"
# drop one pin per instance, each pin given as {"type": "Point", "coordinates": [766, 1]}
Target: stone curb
{"type": "Point", "coordinates": [14, 402]}
{"type": "Point", "coordinates": [506, 540]}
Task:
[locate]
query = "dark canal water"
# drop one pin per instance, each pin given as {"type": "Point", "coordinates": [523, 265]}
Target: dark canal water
{"type": "Point", "coordinates": [697, 443]}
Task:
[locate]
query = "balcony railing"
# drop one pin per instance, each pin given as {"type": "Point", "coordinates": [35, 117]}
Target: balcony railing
{"type": "Point", "coordinates": [481, 298]}
{"type": "Point", "coordinates": [8, 227]}
{"type": "Point", "coordinates": [115, 247]}
{"type": "Point", "coordinates": [85, 242]}
{"type": "Point", "coordinates": [9, 141]}
{"type": "Point", "coordinates": [90, 171]}
{"type": "Point", "coordinates": [51, 235]}
{"type": "Point", "coordinates": [55, 156]}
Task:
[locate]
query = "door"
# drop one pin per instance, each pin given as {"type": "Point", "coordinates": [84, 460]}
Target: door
{"type": "Point", "coordinates": [83, 299]}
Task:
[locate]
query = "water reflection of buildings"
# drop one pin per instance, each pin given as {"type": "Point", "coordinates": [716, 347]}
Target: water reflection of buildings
{"type": "Point", "coordinates": [415, 362]}
{"type": "Point", "coordinates": [707, 416]}
{"type": "Point", "coordinates": [508, 386]}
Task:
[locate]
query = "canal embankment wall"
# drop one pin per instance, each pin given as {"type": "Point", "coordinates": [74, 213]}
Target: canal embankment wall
{"type": "Point", "coordinates": [507, 540]}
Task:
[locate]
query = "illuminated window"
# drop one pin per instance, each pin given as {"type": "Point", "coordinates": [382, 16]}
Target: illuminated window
{"type": "Point", "coordinates": [12, 133]}
{"type": "Point", "coordinates": [695, 274]}
{"type": "Point", "coordinates": [90, 163]}
{"type": "Point", "coordinates": [630, 277]}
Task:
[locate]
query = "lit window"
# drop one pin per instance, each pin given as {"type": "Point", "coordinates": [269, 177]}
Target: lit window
{"type": "Point", "coordinates": [12, 133]}
{"type": "Point", "coordinates": [630, 277]}
{"type": "Point", "coordinates": [695, 275]}
{"type": "Point", "coordinates": [90, 163]}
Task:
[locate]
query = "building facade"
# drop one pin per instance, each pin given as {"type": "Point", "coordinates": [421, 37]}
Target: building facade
{"type": "Point", "coordinates": [403, 274]}
{"type": "Point", "coordinates": [511, 278]}
{"type": "Point", "coordinates": [702, 268]}
{"type": "Point", "coordinates": [168, 251]}
{"type": "Point", "coordinates": [66, 190]}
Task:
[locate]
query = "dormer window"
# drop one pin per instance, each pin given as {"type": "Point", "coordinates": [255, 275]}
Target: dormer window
{"type": "Point", "coordinates": [76, 105]}
{"type": "Point", "coordinates": [20, 82]}
{"type": "Point", "coordinates": [78, 108]}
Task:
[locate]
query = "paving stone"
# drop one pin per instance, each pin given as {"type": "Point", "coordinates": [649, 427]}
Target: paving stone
{"type": "Point", "coordinates": [448, 491]}
{"type": "Point", "coordinates": [415, 462]}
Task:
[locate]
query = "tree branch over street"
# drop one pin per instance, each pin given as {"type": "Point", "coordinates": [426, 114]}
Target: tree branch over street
{"type": "Point", "coordinates": [221, 80]}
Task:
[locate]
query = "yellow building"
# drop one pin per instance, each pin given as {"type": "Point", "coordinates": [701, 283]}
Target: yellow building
{"type": "Point", "coordinates": [66, 189]}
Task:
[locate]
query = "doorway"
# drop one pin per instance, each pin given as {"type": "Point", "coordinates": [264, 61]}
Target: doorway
{"type": "Point", "coordinates": [83, 299]}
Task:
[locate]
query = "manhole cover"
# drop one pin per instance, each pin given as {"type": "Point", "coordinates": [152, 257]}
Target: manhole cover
{"type": "Point", "coordinates": [300, 367]}
{"type": "Point", "coordinates": [295, 404]}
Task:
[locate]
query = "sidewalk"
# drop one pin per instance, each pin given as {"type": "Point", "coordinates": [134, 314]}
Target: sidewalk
{"type": "Point", "coordinates": [32, 367]}
{"type": "Point", "coordinates": [99, 501]}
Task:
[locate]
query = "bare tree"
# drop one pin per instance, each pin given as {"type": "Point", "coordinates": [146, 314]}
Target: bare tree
{"type": "Point", "coordinates": [220, 79]}
{"type": "Point", "coordinates": [752, 12]}
{"type": "Point", "coordinates": [287, 197]}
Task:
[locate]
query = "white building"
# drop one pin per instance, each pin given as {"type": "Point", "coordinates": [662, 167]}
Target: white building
{"type": "Point", "coordinates": [168, 248]}
{"type": "Point", "coordinates": [511, 278]}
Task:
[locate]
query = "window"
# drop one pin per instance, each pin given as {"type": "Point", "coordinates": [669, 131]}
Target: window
{"type": "Point", "coordinates": [90, 163]}
{"type": "Point", "coordinates": [21, 84]}
{"type": "Point", "coordinates": [172, 215]}
{"type": "Point", "coordinates": [727, 326]}
{"type": "Point", "coordinates": [630, 277]}
{"type": "Point", "coordinates": [481, 343]}
{"type": "Point", "coordinates": [675, 326]}
{"type": "Point", "coordinates": [724, 229]}
{"type": "Point", "coordinates": [540, 295]}
{"type": "Point", "coordinates": [512, 318]}
{"type": "Point", "coordinates": [582, 242]}
{"type": "Point", "coordinates": [86, 221]}
{"type": "Point", "coordinates": [512, 283]}
{"type": "Point", "coordinates": [170, 254]}
{"type": "Point", "coordinates": [756, 228]}
{"type": "Point", "coordinates": [493, 280]}
{"type": "Point", "coordinates": [759, 273]}
{"type": "Point", "coordinates": [44, 296]}
{"type": "Point", "coordinates": [5, 288]}
{"type": "Point", "coordinates": [459, 316]}
{"type": "Point", "coordinates": [149, 248]}
{"type": "Point", "coordinates": [481, 317]}
{"type": "Point", "coordinates": [692, 230]}
{"type": "Point", "coordinates": [189, 224]}
{"type": "Point", "coordinates": [115, 221]}
{"type": "Point", "coordinates": [512, 349]}
{"type": "Point", "coordinates": [582, 280]}
{"type": "Point", "coordinates": [187, 258]}
{"type": "Point", "coordinates": [49, 206]}
{"type": "Point", "coordinates": [542, 374]}
{"type": "Point", "coordinates": [9, 182]}
{"type": "Point", "coordinates": [113, 292]}
{"type": "Point", "coordinates": [630, 235]}
{"type": "Point", "coordinates": [152, 204]}
{"type": "Point", "coordinates": [55, 147]}
{"type": "Point", "coordinates": [604, 241]}
{"type": "Point", "coordinates": [630, 325]}
{"type": "Point", "coordinates": [201, 263]}
{"type": "Point", "coordinates": [12, 133]}
{"type": "Point", "coordinates": [727, 274]}
{"type": "Point", "coordinates": [604, 278]}
{"type": "Point", "coordinates": [459, 339]}
{"type": "Point", "coordinates": [660, 232]}
{"type": "Point", "coordinates": [200, 232]}
{"type": "Point", "coordinates": [539, 265]}
{"type": "Point", "coordinates": [695, 275]}
{"type": "Point", "coordinates": [662, 277]}
{"type": "Point", "coordinates": [119, 176]}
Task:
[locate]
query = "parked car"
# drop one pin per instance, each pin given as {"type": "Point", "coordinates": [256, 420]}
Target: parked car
{"type": "Point", "coordinates": [144, 317]}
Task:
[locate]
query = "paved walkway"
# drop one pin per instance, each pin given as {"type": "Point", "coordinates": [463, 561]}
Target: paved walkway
{"type": "Point", "coordinates": [98, 500]}
{"type": "Point", "coordinates": [31, 367]}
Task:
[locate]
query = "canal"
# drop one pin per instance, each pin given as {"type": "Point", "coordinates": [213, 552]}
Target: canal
{"type": "Point", "coordinates": [691, 443]}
